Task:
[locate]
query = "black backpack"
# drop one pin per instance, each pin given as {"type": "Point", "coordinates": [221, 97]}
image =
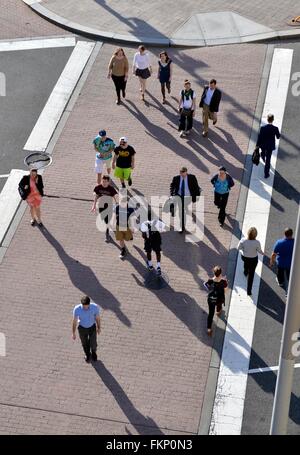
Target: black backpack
{"type": "Point", "coordinates": [214, 295]}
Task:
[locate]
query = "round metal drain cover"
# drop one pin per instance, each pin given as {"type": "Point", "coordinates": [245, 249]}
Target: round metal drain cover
{"type": "Point", "coordinates": [38, 160]}
{"type": "Point", "coordinates": [156, 282]}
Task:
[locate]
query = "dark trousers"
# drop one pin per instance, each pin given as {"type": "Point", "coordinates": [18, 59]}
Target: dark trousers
{"type": "Point", "coordinates": [283, 275]}
{"type": "Point", "coordinates": [101, 209]}
{"type": "Point", "coordinates": [120, 85]}
{"type": "Point", "coordinates": [249, 269]}
{"type": "Point", "coordinates": [163, 87]}
{"type": "Point", "coordinates": [184, 204]}
{"type": "Point", "coordinates": [88, 338]}
{"type": "Point", "coordinates": [266, 157]}
{"type": "Point", "coordinates": [211, 311]}
{"type": "Point", "coordinates": [186, 122]}
{"type": "Point", "coordinates": [221, 202]}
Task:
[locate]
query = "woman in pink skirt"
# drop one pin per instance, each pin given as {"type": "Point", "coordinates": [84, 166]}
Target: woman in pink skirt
{"type": "Point", "coordinates": [31, 189]}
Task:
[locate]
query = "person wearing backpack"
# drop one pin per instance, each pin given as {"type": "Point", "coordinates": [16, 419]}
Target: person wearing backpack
{"type": "Point", "coordinates": [216, 288]}
{"type": "Point", "coordinates": [186, 108]}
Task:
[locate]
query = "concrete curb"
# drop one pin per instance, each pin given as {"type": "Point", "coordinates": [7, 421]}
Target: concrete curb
{"type": "Point", "coordinates": [213, 372]}
{"type": "Point", "coordinates": [96, 34]}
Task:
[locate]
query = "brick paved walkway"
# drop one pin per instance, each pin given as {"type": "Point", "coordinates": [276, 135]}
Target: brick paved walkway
{"type": "Point", "coordinates": [19, 21]}
{"type": "Point", "coordinates": [153, 348]}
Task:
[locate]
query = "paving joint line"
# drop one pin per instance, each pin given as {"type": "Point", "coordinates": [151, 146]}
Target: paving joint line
{"type": "Point", "coordinates": [52, 411]}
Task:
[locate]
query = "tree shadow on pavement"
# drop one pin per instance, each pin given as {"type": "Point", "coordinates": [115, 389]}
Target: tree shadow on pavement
{"type": "Point", "coordinates": [143, 425]}
{"type": "Point", "coordinates": [85, 280]}
{"type": "Point", "coordinates": [184, 307]}
{"type": "Point", "coordinates": [138, 27]}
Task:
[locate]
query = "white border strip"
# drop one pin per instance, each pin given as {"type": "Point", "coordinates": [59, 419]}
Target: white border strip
{"type": "Point", "coordinates": [22, 45]}
{"type": "Point", "coordinates": [9, 200]}
{"type": "Point", "coordinates": [54, 108]}
{"type": "Point", "coordinates": [232, 381]}
{"type": "Point", "coordinates": [268, 369]}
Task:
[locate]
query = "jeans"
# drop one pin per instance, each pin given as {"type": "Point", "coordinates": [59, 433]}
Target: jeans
{"type": "Point", "coordinates": [266, 156]}
{"type": "Point", "coordinates": [283, 275]}
{"type": "Point", "coordinates": [249, 269]}
{"type": "Point", "coordinates": [88, 337]}
{"type": "Point", "coordinates": [211, 312]}
{"type": "Point", "coordinates": [120, 84]}
{"type": "Point", "coordinates": [221, 202]}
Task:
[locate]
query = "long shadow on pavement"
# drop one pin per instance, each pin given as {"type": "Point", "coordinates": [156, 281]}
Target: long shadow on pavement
{"type": "Point", "coordinates": [84, 279]}
{"type": "Point", "coordinates": [143, 425]}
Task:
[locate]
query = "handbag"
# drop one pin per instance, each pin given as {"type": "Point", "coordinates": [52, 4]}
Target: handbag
{"type": "Point", "coordinates": [256, 156]}
{"type": "Point", "coordinates": [22, 192]}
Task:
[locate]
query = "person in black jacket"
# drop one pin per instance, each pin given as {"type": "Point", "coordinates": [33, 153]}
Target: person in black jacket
{"type": "Point", "coordinates": [266, 142]}
{"type": "Point", "coordinates": [31, 189]}
{"type": "Point", "coordinates": [222, 183]}
{"type": "Point", "coordinates": [210, 101]}
{"type": "Point", "coordinates": [184, 185]}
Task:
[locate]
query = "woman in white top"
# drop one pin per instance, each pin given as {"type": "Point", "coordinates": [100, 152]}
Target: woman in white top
{"type": "Point", "coordinates": [186, 108]}
{"type": "Point", "coordinates": [250, 247]}
{"type": "Point", "coordinates": [142, 68]}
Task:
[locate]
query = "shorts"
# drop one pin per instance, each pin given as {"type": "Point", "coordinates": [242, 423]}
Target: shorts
{"type": "Point", "coordinates": [143, 74]}
{"type": "Point", "coordinates": [152, 245]}
{"type": "Point", "coordinates": [124, 235]}
{"type": "Point", "coordinates": [99, 165]}
{"type": "Point", "coordinates": [123, 173]}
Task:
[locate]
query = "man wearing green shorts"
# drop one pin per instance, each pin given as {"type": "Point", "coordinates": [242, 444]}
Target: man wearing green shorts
{"type": "Point", "coordinates": [123, 161]}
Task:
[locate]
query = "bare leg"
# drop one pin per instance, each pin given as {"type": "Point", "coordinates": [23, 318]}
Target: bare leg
{"type": "Point", "coordinates": [38, 214]}
{"type": "Point", "coordinates": [32, 213]}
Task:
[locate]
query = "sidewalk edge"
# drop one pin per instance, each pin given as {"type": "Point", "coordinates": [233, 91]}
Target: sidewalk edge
{"type": "Point", "coordinates": [97, 35]}
{"type": "Point", "coordinates": [213, 372]}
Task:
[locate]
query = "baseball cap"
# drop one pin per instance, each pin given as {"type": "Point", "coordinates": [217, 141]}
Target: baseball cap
{"type": "Point", "coordinates": [123, 139]}
{"type": "Point", "coordinates": [102, 133]}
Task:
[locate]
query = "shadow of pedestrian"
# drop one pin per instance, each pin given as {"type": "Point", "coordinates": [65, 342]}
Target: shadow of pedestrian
{"type": "Point", "coordinates": [143, 425]}
{"type": "Point", "coordinates": [84, 279]}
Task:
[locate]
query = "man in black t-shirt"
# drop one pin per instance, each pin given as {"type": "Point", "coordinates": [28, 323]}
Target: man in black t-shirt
{"type": "Point", "coordinates": [102, 190]}
{"type": "Point", "coordinates": [123, 161]}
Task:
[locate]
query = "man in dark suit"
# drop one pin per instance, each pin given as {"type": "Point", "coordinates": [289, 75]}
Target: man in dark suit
{"type": "Point", "coordinates": [210, 101]}
{"type": "Point", "coordinates": [266, 142]}
{"type": "Point", "coordinates": [184, 185]}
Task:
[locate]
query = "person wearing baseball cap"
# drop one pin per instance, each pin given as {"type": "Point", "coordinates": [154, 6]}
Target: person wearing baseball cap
{"type": "Point", "coordinates": [104, 147]}
{"type": "Point", "coordinates": [123, 161]}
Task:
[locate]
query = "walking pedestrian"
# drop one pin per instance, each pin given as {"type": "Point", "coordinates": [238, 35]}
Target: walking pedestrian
{"type": "Point", "coordinates": [124, 161]}
{"type": "Point", "coordinates": [104, 147]}
{"type": "Point", "coordinates": [184, 185]}
{"type": "Point", "coordinates": [142, 68]}
{"type": "Point", "coordinates": [186, 108]}
{"type": "Point", "coordinates": [250, 247]}
{"type": "Point", "coordinates": [282, 255]}
{"type": "Point", "coordinates": [123, 231]}
{"type": "Point", "coordinates": [87, 317]}
{"type": "Point", "coordinates": [118, 70]}
{"type": "Point", "coordinates": [31, 190]}
{"type": "Point", "coordinates": [100, 191]}
{"type": "Point", "coordinates": [164, 74]}
{"type": "Point", "coordinates": [152, 242]}
{"type": "Point", "coordinates": [266, 142]}
{"type": "Point", "coordinates": [222, 183]}
{"type": "Point", "coordinates": [216, 288]}
{"type": "Point", "coordinates": [210, 101]}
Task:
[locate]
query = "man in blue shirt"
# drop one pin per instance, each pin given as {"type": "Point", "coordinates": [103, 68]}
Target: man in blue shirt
{"type": "Point", "coordinates": [283, 253]}
{"type": "Point", "coordinates": [87, 317]}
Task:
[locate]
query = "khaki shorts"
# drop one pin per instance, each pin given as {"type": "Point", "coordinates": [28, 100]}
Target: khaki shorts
{"type": "Point", "coordinates": [124, 235]}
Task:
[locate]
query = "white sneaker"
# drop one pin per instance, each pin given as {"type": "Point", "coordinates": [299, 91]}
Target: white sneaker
{"type": "Point", "coordinates": [181, 133]}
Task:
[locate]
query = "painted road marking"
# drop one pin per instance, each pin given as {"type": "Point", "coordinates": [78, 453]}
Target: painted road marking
{"type": "Point", "coordinates": [4, 176]}
{"type": "Point", "coordinates": [230, 396]}
{"type": "Point", "coordinates": [54, 108]}
{"type": "Point", "coordinates": [2, 345]}
{"type": "Point", "coordinates": [268, 369]}
{"type": "Point", "coordinates": [21, 45]}
{"type": "Point", "coordinates": [9, 200]}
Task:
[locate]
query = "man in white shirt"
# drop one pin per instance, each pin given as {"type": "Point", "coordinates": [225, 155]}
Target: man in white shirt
{"type": "Point", "coordinates": [210, 101]}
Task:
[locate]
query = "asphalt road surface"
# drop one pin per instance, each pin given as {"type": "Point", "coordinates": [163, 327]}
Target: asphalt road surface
{"type": "Point", "coordinates": [271, 302]}
{"type": "Point", "coordinates": [30, 78]}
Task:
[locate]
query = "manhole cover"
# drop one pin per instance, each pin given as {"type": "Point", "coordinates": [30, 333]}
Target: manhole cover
{"type": "Point", "coordinates": [295, 22]}
{"type": "Point", "coordinates": [38, 160]}
{"type": "Point", "coordinates": [156, 282]}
